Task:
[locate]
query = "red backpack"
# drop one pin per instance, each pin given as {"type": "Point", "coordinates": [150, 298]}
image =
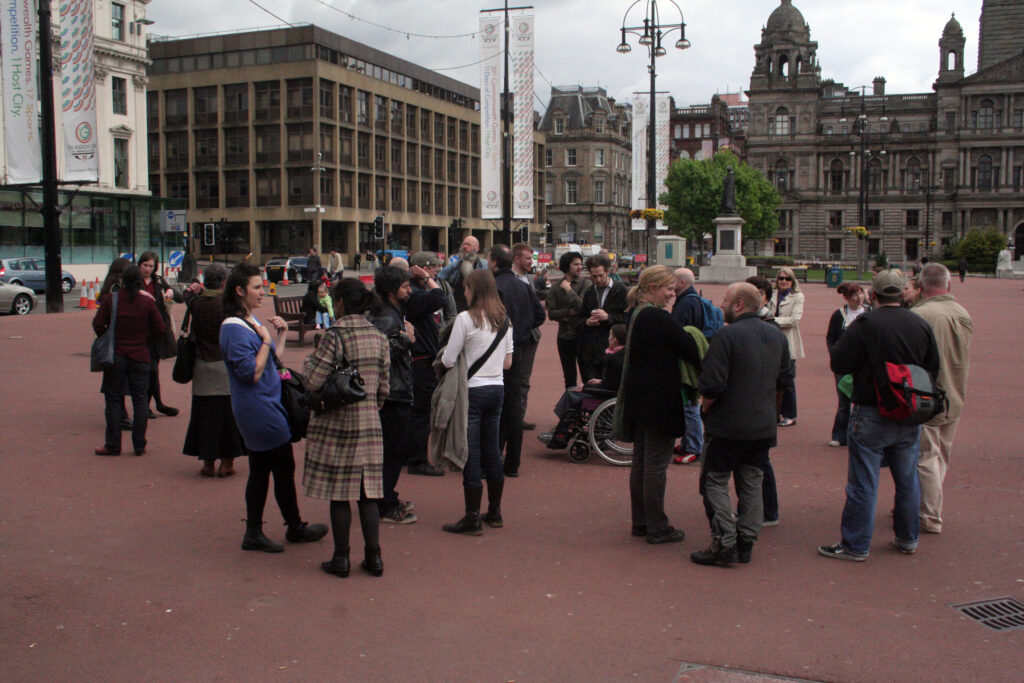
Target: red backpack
{"type": "Point", "coordinates": [906, 393]}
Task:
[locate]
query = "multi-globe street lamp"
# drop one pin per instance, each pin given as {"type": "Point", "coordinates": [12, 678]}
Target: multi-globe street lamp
{"type": "Point", "coordinates": [651, 35]}
{"type": "Point", "coordinates": [862, 129]}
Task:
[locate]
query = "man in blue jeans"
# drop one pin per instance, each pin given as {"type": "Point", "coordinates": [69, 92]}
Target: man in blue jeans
{"type": "Point", "coordinates": [899, 337]}
{"type": "Point", "coordinates": [688, 311]}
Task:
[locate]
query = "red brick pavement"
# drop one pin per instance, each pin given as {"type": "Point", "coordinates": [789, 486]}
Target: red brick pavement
{"type": "Point", "coordinates": [129, 568]}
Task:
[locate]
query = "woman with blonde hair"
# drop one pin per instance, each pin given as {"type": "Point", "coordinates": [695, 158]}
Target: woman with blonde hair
{"type": "Point", "coordinates": [650, 404]}
{"type": "Point", "coordinates": [482, 332]}
{"type": "Point", "coordinates": [787, 307]}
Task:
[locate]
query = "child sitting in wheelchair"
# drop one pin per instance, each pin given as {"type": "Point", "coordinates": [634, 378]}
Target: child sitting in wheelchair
{"type": "Point", "coordinates": [574, 407]}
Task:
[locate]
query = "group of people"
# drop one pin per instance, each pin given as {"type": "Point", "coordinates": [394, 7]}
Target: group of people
{"type": "Point", "coordinates": [446, 354]}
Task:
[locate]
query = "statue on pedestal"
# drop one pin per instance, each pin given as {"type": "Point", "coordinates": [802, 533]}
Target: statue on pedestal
{"type": "Point", "coordinates": [729, 194]}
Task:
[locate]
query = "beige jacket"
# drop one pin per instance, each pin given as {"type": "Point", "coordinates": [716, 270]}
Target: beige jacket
{"type": "Point", "coordinates": [953, 328]}
{"type": "Point", "coordinates": [787, 317]}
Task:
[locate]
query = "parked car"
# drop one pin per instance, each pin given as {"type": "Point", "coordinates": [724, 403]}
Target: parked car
{"type": "Point", "coordinates": [31, 272]}
{"type": "Point", "coordinates": [16, 299]}
{"type": "Point", "coordinates": [296, 269]}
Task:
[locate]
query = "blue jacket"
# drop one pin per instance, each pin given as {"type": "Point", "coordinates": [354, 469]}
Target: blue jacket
{"type": "Point", "coordinates": [257, 405]}
{"type": "Point", "coordinates": [688, 309]}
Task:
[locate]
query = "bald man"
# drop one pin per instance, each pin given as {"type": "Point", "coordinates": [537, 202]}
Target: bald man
{"type": "Point", "coordinates": [467, 261]}
{"type": "Point", "coordinates": [744, 366]}
{"type": "Point", "coordinates": [399, 262]}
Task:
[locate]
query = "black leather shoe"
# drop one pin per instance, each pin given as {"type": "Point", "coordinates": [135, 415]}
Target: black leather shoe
{"type": "Point", "coordinates": [667, 535]}
{"type": "Point", "coordinates": [426, 469]}
{"type": "Point", "coordinates": [373, 564]}
{"type": "Point", "coordinates": [721, 556]}
{"type": "Point", "coordinates": [639, 530]}
{"type": "Point", "coordinates": [152, 415]}
{"type": "Point", "coordinates": [744, 550]}
{"type": "Point", "coordinates": [305, 533]}
{"type": "Point", "coordinates": [529, 426]}
{"type": "Point", "coordinates": [468, 525]}
{"type": "Point", "coordinates": [167, 410]}
{"type": "Point", "coordinates": [106, 451]}
{"type": "Point", "coordinates": [255, 540]}
{"type": "Point", "coordinates": [337, 565]}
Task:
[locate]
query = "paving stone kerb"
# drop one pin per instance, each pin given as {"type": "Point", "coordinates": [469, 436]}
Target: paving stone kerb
{"type": "Point", "coordinates": [116, 568]}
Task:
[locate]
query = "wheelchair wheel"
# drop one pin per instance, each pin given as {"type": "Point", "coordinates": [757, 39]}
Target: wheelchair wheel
{"type": "Point", "coordinates": [579, 452]}
{"type": "Point", "coordinates": [600, 427]}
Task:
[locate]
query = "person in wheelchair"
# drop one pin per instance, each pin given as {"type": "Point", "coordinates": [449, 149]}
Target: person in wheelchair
{"type": "Point", "coordinates": [568, 407]}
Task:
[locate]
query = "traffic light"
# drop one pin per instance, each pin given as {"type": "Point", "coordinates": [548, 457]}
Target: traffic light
{"type": "Point", "coordinates": [378, 228]}
{"type": "Point", "coordinates": [209, 236]}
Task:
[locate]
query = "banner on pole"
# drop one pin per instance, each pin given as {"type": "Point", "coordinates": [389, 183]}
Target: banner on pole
{"type": "Point", "coordinates": [661, 146]}
{"type": "Point", "coordinates": [641, 122]}
{"type": "Point", "coordinates": [490, 116]}
{"type": "Point", "coordinates": [521, 52]}
{"type": "Point", "coordinates": [22, 146]}
{"type": "Point", "coordinates": [78, 91]}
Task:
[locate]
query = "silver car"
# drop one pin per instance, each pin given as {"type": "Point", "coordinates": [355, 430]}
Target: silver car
{"type": "Point", "coordinates": [31, 272]}
{"type": "Point", "coordinates": [16, 299]}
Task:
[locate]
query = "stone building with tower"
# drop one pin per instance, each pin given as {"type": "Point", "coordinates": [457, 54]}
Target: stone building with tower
{"type": "Point", "coordinates": [587, 168]}
{"type": "Point", "coordinates": [917, 169]}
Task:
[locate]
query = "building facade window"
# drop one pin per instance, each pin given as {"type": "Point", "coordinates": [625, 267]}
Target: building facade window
{"type": "Point", "coordinates": [549, 191]}
{"type": "Point", "coordinates": [207, 191]}
{"type": "Point", "coordinates": [300, 97]}
{"type": "Point", "coordinates": [236, 103]}
{"type": "Point", "coordinates": [268, 187]}
{"type": "Point", "coordinates": [204, 105]}
{"type": "Point", "coordinates": [549, 157]}
{"type": "Point", "coordinates": [835, 248]}
{"type": "Point", "coordinates": [873, 218]}
{"type": "Point", "coordinates": [835, 218]}
{"type": "Point", "coordinates": [268, 101]}
{"type": "Point", "coordinates": [985, 115]}
{"type": "Point", "coordinates": [984, 180]}
{"type": "Point", "coordinates": [599, 192]}
{"type": "Point", "coordinates": [268, 144]}
{"type": "Point", "coordinates": [780, 124]}
{"type": "Point", "coordinates": [836, 174]}
{"type": "Point", "coordinates": [236, 189]}
{"type": "Point", "coordinates": [176, 102]}
{"type": "Point", "coordinates": [119, 94]}
{"type": "Point", "coordinates": [913, 177]}
{"type": "Point", "coordinates": [117, 21]}
{"type": "Point", "coordinates": [120, 162]}
{"type": "Point", "coordinates": [599, 157]}
{"type": "Point", "coordinates": [599, 124]}
{"type": "Point", "coordinates": [570, 191]}
{"type": "Point", "coordinates": [559, 125]}
{"type": "Point", "coordinates": [913, 218]}
{"type": "Point", "coordinates": [570, 157]}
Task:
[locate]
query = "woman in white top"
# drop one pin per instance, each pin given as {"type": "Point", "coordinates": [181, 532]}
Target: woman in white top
{"type": "Point", "coordinates": [474, 332]}
{"type": "Point", "coordinates": [787, 308]}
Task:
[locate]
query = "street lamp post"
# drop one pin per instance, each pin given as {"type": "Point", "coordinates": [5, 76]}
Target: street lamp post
{"type": "Point", "coordinates": [650, 35]}
{"type": "Point", "coordinates": [862, 129]}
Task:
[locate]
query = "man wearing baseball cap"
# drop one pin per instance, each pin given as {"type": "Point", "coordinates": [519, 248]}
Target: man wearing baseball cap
{"type": "Point", "coordinates": [430, 305]}
{"type": "Point", "coordinates": [899, 336]}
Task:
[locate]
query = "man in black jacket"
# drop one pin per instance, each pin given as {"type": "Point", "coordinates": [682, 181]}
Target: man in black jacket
{"type": "Point", "coordinates": [746, 363]}
{"type": "Point", "coordinates": [423, 309]}
{"type": "Point", "coordinates": [604, 305]}
{"type": "Point", "coordinates": [392, 285]}
{"type": "Point", "coordinates": [525, 313]}
{"type": "Point", "coordinates": [895, 335]}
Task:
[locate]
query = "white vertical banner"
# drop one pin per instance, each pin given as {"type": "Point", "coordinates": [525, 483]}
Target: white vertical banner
{"type": "Point", "coordinates": [491, 52]}
{"type": "Point", "coordinates": [521, 53]}
{"type": "Point", "coordinates": [662, 114]}
{"type": "Point", "coordinates": [22, 147]}
{"type": "Point", "coordinates": [78, 91]}
{"type": "Point", "coordinates": [640, 119]}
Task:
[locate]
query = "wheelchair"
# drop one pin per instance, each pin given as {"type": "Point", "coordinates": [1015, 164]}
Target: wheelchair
{"type": "Point", "coordinates": [590, 431]}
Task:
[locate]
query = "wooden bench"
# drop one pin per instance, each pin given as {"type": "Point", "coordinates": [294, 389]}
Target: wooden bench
{"type": "Point", "coordinates": [289, 308]}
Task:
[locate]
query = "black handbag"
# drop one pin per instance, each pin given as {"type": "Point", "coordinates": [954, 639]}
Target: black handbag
{"type": "Point", "coordinates": [101, 355]}
{"type": "Point", "coordinates": [185, 360]}
{"type": "Point", "coordinates": [344, 386]}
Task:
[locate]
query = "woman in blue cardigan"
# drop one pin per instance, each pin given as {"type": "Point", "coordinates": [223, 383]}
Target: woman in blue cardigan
{"type": "Point", "coordinates": [246, 345]}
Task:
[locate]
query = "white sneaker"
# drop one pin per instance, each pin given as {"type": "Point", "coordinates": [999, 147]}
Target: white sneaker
{"type": "Point", "coordinates": [834, 443]}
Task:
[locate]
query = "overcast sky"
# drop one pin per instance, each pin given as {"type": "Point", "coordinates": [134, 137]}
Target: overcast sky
{"type": "Point", "coordinates": [576, 39]}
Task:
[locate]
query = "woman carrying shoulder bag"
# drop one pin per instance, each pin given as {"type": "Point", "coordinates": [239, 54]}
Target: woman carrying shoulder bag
{"type": "Point", "coordinates": [246, 345]}
{"type": "Point", "coordinates": [474, 333]}
{"type": "Point", "coordinates": [164, 295]}
{"type": "Point", "coordinates": [344, 446]}
{"type": "Point", "coordinates": [787, 308]}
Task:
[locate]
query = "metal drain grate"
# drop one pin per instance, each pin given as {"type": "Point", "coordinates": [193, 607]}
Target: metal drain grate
{"type": "Point", "coordinates": [999, 614]}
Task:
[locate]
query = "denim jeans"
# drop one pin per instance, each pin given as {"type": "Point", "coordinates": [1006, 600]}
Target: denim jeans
{"type": "Point", "coordinates": [871, 439]}
{"type": "Point", "coordinates": [483, 458]}
{"type": "Point", "coordinates": [693, 441]}
{"type": "Point", "coordinates": [137, 375]}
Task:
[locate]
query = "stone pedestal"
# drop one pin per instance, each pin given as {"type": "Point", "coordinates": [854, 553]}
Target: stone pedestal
{"type": "Point", "coordinates": [728, 264]}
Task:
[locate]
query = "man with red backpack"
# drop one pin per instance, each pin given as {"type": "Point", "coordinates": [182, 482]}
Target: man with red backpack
{"type": "Point", "coordinates": [889, 336]}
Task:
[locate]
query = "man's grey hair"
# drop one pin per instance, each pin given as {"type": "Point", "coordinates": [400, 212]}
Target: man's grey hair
{"type": "Point", "coordinates": [934, 279]}
{"type": "Point", "coordinates": [685, 276]}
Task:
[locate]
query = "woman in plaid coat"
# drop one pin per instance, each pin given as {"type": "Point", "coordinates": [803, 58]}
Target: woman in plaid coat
{"type": "Point", "coordinates": [344, 448]}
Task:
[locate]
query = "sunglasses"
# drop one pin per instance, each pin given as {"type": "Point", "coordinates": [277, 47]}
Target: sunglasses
{"type": "Point", "coordinates": [783, 278]}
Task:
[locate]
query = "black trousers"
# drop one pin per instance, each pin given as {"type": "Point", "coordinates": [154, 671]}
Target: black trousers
{"type": "Point", "coordinates": [510, 429]}
{"type": "Point", "coordinates": [278, 462]}
{"type": "Point", "coordinates": [568, 350]}
{"type": "Point", "coordinates": [417, 436]}
{"type": "Point", "coordinates": [394, 421]}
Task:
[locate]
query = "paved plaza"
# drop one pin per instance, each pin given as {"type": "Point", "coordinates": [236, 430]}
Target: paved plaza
{"type": "Point", "coordinates": [129, 569]}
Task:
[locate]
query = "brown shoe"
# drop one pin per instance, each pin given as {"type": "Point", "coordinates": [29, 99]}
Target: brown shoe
{"type": "Point", "coordinates": [207, 470]}
{"type": "Point", "coordinates": [227, 467]}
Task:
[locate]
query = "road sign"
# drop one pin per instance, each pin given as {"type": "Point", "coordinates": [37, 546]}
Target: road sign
{"type": "Point", "coordinates": [128, 255]}
{"type": "Point", "coordinates": [640, 258]}
{"type": "Point", "coordinates": [174, 221]}
{"type": "Point", "coordinates": [175, 259]}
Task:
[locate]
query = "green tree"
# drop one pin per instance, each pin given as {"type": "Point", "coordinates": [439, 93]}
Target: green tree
{"type": "Point", "coordinates": [694, 197]}
{"type": "Point", "coordinates": [981, 246]}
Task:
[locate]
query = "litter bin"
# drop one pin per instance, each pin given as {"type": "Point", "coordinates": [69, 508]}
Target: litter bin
{"type": "Point", "coordinates": [833, 277]}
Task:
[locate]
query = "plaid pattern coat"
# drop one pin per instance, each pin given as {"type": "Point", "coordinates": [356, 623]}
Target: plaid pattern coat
{"type": "Point", "coordinates": [344, 447]}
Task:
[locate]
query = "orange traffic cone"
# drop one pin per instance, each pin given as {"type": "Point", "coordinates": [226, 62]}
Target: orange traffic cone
{"type": "Point", "coordinates": [273, 289]}
{"type": "Point", "coordinates": [266, 282]}
{"type": "Point", "coordinates": [91, 303]}
{"type": "Point", "coordinates": [284, 281]}
{"type": "Point", "coordinates": [83, 300]}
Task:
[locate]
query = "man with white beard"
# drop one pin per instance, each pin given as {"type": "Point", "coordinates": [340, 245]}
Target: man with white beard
{"type": "Point", "coordinates": [454, 273]}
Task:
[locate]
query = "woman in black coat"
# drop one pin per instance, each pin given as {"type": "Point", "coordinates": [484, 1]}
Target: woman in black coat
{"type": "Point", "coordinates": [652, 399]}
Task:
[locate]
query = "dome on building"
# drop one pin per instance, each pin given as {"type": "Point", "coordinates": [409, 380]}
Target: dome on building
{"type": "Point", "coordinates": [786, 18]}
{"type": "Point", "coordinates": [953, 28]}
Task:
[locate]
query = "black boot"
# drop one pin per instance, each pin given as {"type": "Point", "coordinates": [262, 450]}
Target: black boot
{"type": "Point", "coordinates": [493, 516]}
{"type": "Point", "coordinates": [337, 565]}
{"type": "Point", "coordinates": [373, 564]}
{"type": "Point", "coordinates": [304, 532]}
{"type": "Point", "coordinates": [255, 540]}
{"type": "Point", "coordinates": [470, 524]}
